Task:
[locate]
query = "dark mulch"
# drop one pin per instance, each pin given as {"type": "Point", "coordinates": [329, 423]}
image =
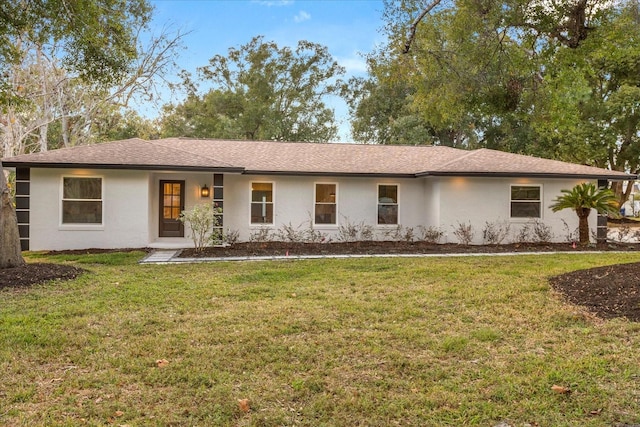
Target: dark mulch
{"type": "Point", "coordinates": [607, 292]}
{"type": "Point", "coordinates": [31, 274]}
{"type": "Point", "coordinates": [375, 247]}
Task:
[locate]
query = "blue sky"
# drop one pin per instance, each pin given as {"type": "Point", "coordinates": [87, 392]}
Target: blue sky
{"type": "Point", "coordinates": [349, 29]}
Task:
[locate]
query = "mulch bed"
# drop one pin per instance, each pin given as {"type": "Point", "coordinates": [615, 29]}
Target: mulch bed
{"type": "Point", "coordinates": [31, 274]}
{"type": "Point", "coordinates": [607, 292]}
{"type": "Point", "coordinates": [612, 291]}
{"type": "Point", "coordinates": [377, 247]}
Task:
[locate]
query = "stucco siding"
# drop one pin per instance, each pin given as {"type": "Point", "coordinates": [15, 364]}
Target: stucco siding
{"type": "Point", "coordinates": [294, 203]}
{"type": "Point", "coordinates": [125, 211]}
{"type": "Point", "coordinates": [477, 201]}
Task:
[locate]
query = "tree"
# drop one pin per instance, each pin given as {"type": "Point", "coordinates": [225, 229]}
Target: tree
{"type": "Point", "coordinates": [554, 79]}
{"type": "Point", "coordinates": [260, 91]}
{"type": "Point", "coordinates": [582, 199]}
{"type": "Point", "coordinates": [94, 40]}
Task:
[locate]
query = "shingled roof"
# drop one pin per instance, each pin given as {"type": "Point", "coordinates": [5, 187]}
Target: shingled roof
{"type": "Point", "coordinates": [293, 158]}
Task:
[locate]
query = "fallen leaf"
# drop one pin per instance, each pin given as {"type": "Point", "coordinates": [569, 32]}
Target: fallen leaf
{"type": "Point", "coordinates": [561, 389]}
{"type": "Point", "coordinates": [162, 363]}
{"type": "Point", "coordinates": [119, 413]}
{"type": "Point", "coordinates": [243, 404]}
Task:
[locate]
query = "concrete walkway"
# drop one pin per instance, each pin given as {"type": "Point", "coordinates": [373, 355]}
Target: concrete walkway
{"type": "Point", "coordinates": [161, 256]}
{"type": "Point", "coordinates": [164, 256]}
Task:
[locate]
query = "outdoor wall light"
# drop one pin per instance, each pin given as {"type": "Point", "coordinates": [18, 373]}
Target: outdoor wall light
{"type": "Point", "coordinates": [204, 191]}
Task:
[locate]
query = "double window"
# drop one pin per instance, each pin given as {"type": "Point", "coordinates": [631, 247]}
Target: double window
{"type": "Point", "coordinates": [387, 204]}
{"type": "Point", "coordinates": [526, 201]}
{"type": "Point", "coordinates": [81, 200]}
{"type": "Point", "coordinates": [326, 207]}
{"type": "Point", "coordinates": [261, 203]}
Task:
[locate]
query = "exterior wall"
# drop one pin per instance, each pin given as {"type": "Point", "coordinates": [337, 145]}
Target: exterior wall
{"type": "Point", "coordinates": [125, 211]}
{"type": "Point", "coordinates": [131, 206]}
{"type": "Point", "coordinates": [294, 203]}
{"type": "Point", "coordinates": [480, 200]}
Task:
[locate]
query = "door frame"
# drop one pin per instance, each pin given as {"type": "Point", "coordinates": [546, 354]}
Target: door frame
{"type": "Point", "coordinates": [161, 220]}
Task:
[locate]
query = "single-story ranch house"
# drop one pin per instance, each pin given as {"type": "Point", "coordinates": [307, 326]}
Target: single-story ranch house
{"type": "Point", "coordinates": [130, 193]}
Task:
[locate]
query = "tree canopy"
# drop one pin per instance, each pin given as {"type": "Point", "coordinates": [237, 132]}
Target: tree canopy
{"type": "Point", "coordinates": [260, 91]}
{"type": "Point", "coordinates": [51, 99]}
{"type": "Point", "coordinates": [555, 79]}
{"type": "Point", "coordinates": [63, 63]}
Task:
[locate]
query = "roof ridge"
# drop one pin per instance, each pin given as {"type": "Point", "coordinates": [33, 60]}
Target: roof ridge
{"type": "Point", "coordinates": [154, 142]}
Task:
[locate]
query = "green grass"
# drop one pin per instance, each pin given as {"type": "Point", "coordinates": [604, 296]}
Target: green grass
{"type": "Point", "coordinates": [370, 342]}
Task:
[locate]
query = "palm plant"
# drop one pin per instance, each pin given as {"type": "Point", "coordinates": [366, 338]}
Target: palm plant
{"type": "Point", "coordinates": [582, 198]}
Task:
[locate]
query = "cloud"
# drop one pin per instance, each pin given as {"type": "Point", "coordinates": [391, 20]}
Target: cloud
{"type": "Point", "coordinates": [355, 65]}
{"type": "Point", "coordinates": [301, 17]}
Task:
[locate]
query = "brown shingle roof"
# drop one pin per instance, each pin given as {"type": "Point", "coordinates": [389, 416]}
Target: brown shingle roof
{"type": "Point", "coordinates": [305, 158]}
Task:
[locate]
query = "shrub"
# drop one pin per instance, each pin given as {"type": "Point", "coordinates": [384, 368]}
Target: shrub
{"type": "Point", "coordinates": [231, 237]}
{"type": "Point", "coordinates": [353, 232]}
{"type": "Point", "coordinates": [430, 234]}
{"type": "Point", "coordinates": [289, 233]}
{"type": "Point", "coordinates": [204, 221]}
{"type": "Point", "coordinates": [523, 235]}
{"type": "Point", "coordinates": [261, 235]}
{"type": "Point", "coordinates": [309, 235]}
{"type": "Point", "coordinates": [464, 233]}
{"type": "Point", "coordinates": [542, 232]}
{"type": "Point", "coordinates": [400, 233]}
{"type": "Point", "coordinates": [495, 232]}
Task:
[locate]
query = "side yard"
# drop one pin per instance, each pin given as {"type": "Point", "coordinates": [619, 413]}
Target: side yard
{"type": "Point", "coordinates": [416, 341]}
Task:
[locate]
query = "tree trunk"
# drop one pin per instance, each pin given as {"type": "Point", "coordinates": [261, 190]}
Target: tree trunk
{"type": "Point", "coordinates": [583, 225]}
{"type": "Point", "coordinates": [10, 253]}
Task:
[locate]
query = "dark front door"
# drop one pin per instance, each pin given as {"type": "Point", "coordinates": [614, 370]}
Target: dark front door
{"type": "Point", "coordinates": [171, 205]}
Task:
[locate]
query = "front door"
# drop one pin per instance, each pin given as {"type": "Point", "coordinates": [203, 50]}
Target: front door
{"type": "Point", "coordinates": [171, 205]}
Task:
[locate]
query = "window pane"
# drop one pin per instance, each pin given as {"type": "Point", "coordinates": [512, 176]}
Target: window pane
{"type": "Point", "coordinates": [79, 212]}
{"type": "Point", "coordinates": [388, 194]}
{"type": "Point", "coordinates": [261, 213]}
{"type": "Point", "coordinates": [525, 209]}
{"type": "Point", "coordinates": [325, 214]}
{"type": "Point", "coordinates": [261, 191]}
{"type": "Point", "coordinates": [525, 193]}
{"type": "Point", "coordinates": [325, 193]}
{"type": "Point", "coordinates": [82, 188]}
{"type": "Point", "coordinates": [387, 214]}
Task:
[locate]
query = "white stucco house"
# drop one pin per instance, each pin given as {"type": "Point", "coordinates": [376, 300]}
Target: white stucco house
{"type": "Point", "coordinates": [128, 194]}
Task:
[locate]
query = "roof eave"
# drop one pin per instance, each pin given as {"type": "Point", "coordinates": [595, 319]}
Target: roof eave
{"type": "Point", "coordinates": [122, 166]}
{"type": "Point", "coordinates": [530, 175]}
{"type": "Point", "coordinates": [329, 174]}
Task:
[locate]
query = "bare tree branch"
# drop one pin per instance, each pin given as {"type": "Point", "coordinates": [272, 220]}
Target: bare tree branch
{"type": "Point", "coordinates": [414, 25]}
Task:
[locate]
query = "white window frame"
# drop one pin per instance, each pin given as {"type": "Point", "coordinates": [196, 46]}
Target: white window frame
{"type": "Point", "coordinates": [378, 204]}
{"type": "Point", "coordinates": [540, 200]}
{"type": "Point", "coordinates": [273, 204]}
{"type": "Point", "coordinates": [80, 225]}
{"type": "Point", "coordinates": [315, 189]}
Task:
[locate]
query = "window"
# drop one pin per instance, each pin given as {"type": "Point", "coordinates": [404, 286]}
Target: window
{"type": "Point", "coordinates": [261, 203]}
{"type": "Point", "coordinates": [81, 200]}
{"type": "Point", "coordinates": [325, 206]}
{"type": "Point", "coordinates": [387, 204]}
{"type": "Point", "coordinates": [525, 201]}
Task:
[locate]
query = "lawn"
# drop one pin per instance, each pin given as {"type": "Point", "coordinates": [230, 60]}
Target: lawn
{"type": "Point", "coordinates": [361, 342]}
